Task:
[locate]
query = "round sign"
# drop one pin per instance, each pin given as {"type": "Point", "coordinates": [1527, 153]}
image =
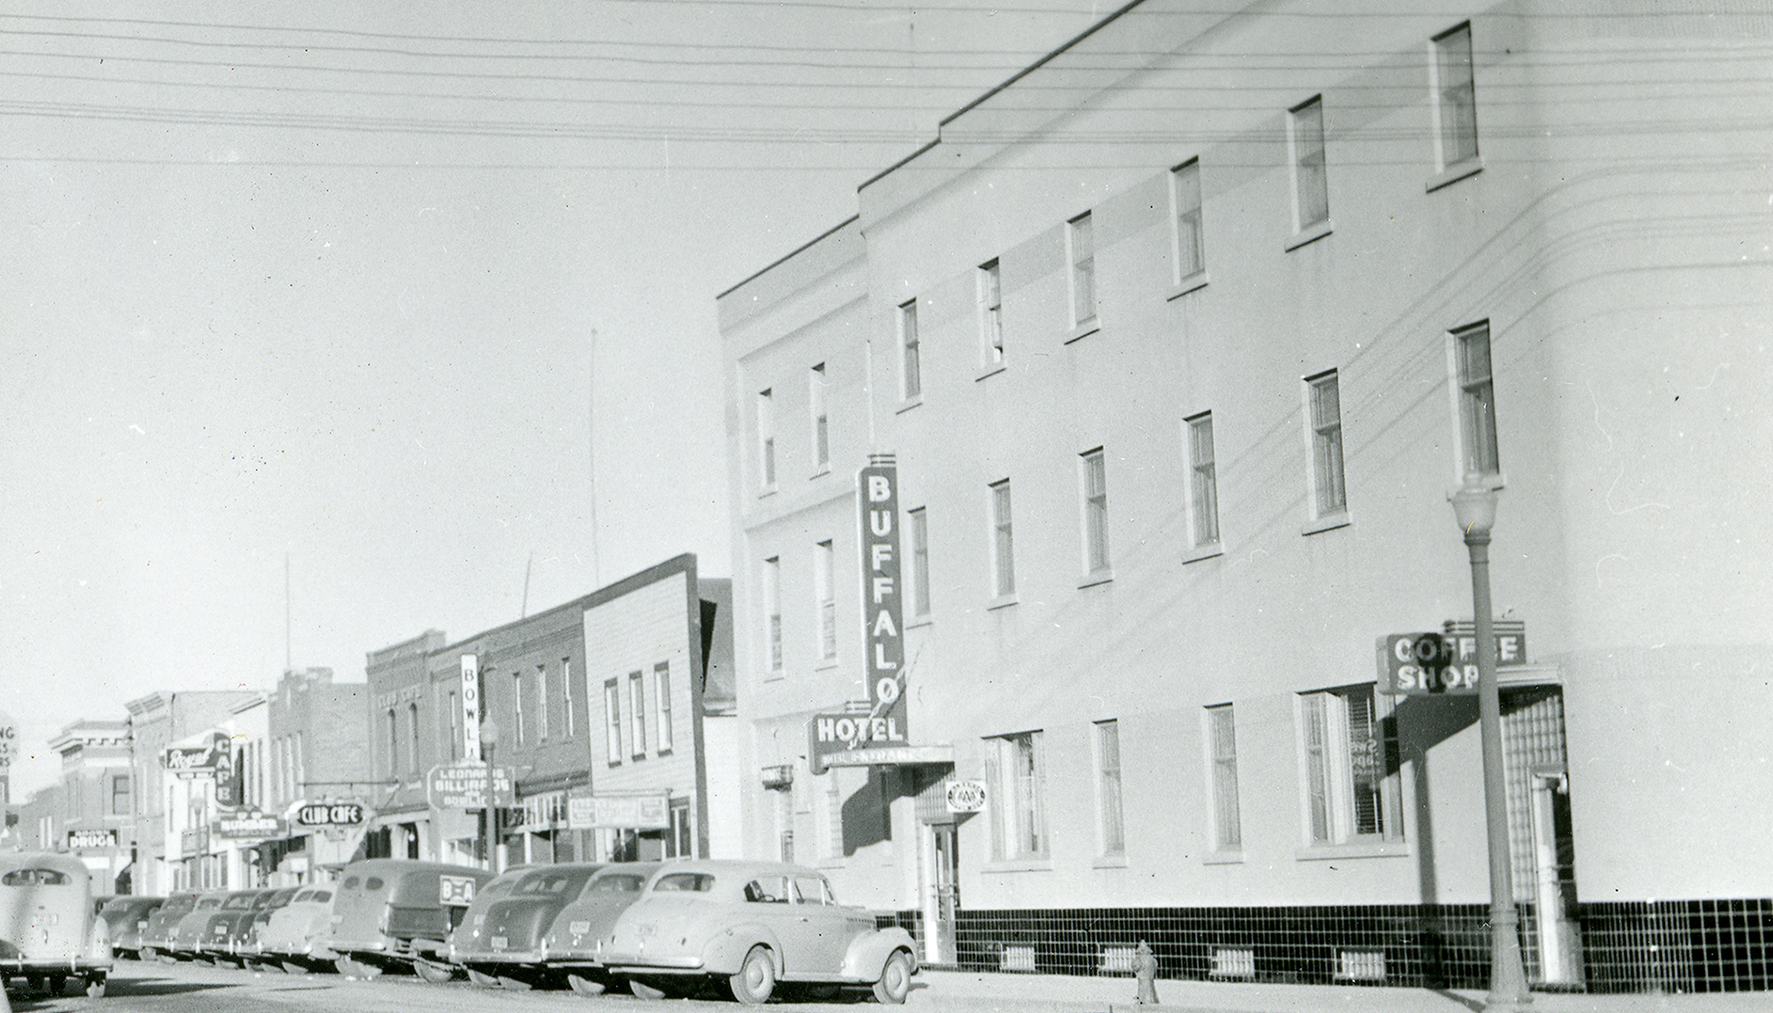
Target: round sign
{"type": "Point", "coordinates": [966, 796]}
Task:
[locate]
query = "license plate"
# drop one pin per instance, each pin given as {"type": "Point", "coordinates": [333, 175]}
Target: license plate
{"type": "Point", "coordinates": [500, 942]}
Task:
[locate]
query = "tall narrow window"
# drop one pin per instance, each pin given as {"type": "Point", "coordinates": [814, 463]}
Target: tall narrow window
{"type": "Point", "coordinates": [908, 349]}
{"type": "Point", "coordinates": [662, 686]}
{"type": "Point", "coordinates": [393, 744]}
{"type": "Point", "coordinates": [1329, 493]}
{"type": "Point", "coordinates": [1228, 832]}
{"type": "Point", "coordinates": [772, 610]}
{"type": "Point", "coordinates": [412, 739]}
{"type": "Point", "coordinates": [821, 420]}
{"type": "Point", "coordinates": [1108, 792]}
{"type": "Point", "coordinates": [566, 696]}
{"type": "Point", "coordinates": [920, 561]}
{"type": "Point", "coordinates": [1081, 239]}
{"type": "Point", "coordinates": [1203, 482]}
{"type": "Point", "coordinates": [1311, 187]}
{"type": "Point", "coordinates": [612, 722]}
{"type": "Point", "coordinates": [991, 312]}
{"type": "Point", "coordinates": [1017, 775]}
{"type": "Point", "coordinates": [517, 705]}
{"type": "Point", "coordinates": [542, 729]}
{"type": "Point", "coordinates": [120, 793]}
{"type": "Point", "coordinates": [1455, 95]}
{"type": "Point", "coordinates": [1003, 542]}
{"type": "Point", "coordinates": [766, 438]}
{"type": "Point", "coordinates": [1095, 511]}
{"type": "Point", "coordinates": [1191, 256]}
{"type": "Point", "coordinates": [826, 600]}
{"type": "Point", "coordinates": [1350, 767]}
{"type": "Point", "coordinates": [452, 707]}
{"type": "Point", "coordinates": [637, 714]}
{"type": "Point", "coordinates": [1477, 400]}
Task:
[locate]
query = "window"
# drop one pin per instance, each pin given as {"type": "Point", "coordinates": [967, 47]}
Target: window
{"type": "Point", "coordinates": [119, 794]}
{"type": "Point", "coordinates": [542, 702]}
{"type": "Point", "coordinates": [612, 728]}
{"type": "Point", "coordinates": [766, 438]}
{"type": "Point", "coordinates": [453, 748]}
{"type": "Point", "coordinates": [772, 610]}
{"type": "Point", "coordinates": [826, 598]}
{"type": "Point", "coordinates": [566, 695]}
{"type": "Point", "coordinates": [1095, 511]}
{"type": "Point", "coordinates": [393, 743]}
{"type": "Point", "coordinates": [1311, 189]}
{"type": "Point", "coordinates": [1015, 770]}
{"type": "Point", "coordinates": [821, 420]}
{"type": "Point", "coordinates": [990, 313]}
{"type": "Point", "coordinates": [1080, 240]}
{"type": "Point", "coordinates": [1455, 97]}
{"type": "Point", "coordinates": [412, 739]}
{"type": "Point", "coordinates": [1350, 763]}
{"type": "Point", "coordinates": [662, 686]}
{"type": "Point", "coordinates": [1222, 745]}
{"type": "Point", "coordinates": [1108, 794]}
{"type": "Point", "coordinates": [1477, 400]}
{"type": "Point", "coordinates": [920, 561]}
{"type": "Point", "coordinates": [1190, 243]}
{"type": "Point", "coordinates": [517, 705]}
{"type": "Point", "coordinates": [1203, 482]}
{"type": "Point", "coordinates": [677, 843]}
{"type": "Point", "coordinates": [908, 349]}
{"type": "Point", "coordinates": [1330, 495]}
{"type": "Point", "coordinates": [637, 714]}
{"type": "Point", "coordinates": [1003, 563]}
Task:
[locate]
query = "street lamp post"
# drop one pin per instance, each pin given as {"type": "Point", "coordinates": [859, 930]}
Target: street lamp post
{"type": "Point", "coordinates": [1474, 505]}
{"type": "Point", "coordinates": [489, 740]}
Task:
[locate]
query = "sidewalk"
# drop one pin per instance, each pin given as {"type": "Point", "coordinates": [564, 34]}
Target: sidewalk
{"type": "Point", "coordinates": [1043, 993]}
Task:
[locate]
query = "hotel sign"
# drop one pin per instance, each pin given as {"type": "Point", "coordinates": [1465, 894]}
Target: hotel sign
{"type": "Point", "coordinates": [880, 720]}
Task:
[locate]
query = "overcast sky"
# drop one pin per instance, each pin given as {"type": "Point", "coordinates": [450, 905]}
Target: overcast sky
{"type": "Point", "coordinates": [386, 303]}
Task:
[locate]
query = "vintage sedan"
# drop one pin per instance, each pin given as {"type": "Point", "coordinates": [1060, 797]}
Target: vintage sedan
{"type": "Point", "coordinates": [746, 926]}
{"type": "Point", "coordinates": [574, 943]}
{"type": "Point", "coordinates": [49, 931]}
{"type": "Point", "coordinates": [156, 938]}
{"type": "Point", "coordinates": [188, 934]}
{"type": "Point", "coordinates": [291, 937]}
{"type": "Point", "coordinates": [390, 913]}
{"type": "Point", "coordinates": [128, 915]}
{"type": "Point", "coordinates": [507, 943]}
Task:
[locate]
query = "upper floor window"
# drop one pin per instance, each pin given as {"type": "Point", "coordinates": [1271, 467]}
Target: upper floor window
{"type": "Point", "coordinates": [452, 707]}
{"type": "Point", "coordinates": [517, 705]}
{"type": "Point", "coordinates": [1094, 472]}
{"type": "Point", "coordinates": [772, 610]}
{"type": "Point", "coordinates": [1203, 482]}
{"type": "Point", "coordinates": [990, 281]}
{"type": "Point", "coordinates": [637, 714]}
{"type": "Point", "coordinates": [1003, 542]}
{"type": "Point", "coordinates": [1455, 105]}
{"type": "Point", "coordinates": [542, 728]}
{"type": "Point", "coordinates": [1222, 755]}
{"type": "Point", "coordinates": [1329, 492]}
{"type": "Point", "coordinates": [1311, 187]}
{"type": "Point", "coordinates": [1350, 767]}
{"type": "Point", "coordinates": [1477, 400]}
{"type": "Point", "coordinates": [920, 561]}
{"type": "Point", "coordinates": [1191, 255]}
{"type": "Point", "coordinates": [566, 695]}
{"type": "Point", "coordinates": [820, 418]}
{"type": "Point", "coordinates": [662, 686]}
{"type": "Point", "coordinates": [766, 439]}
{"type": "Point", "coordinates": [1080, 242]}
{"type": "Point", "coordinates": [912, 378]}
{"type": "Point", "coordinates": [825, 598]}
{"type": "Point", "coordinates": [612, 722]}
{"type": "Point", "coordinates": [120, 794]}
{"type": "Point", "coordinates": [412, 739]}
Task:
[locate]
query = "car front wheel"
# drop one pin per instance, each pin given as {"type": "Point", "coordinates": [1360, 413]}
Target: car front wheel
{"type": "Point", "coordinates": [895, 979]}
{"type": "Point", "coordinates": [756, 978]}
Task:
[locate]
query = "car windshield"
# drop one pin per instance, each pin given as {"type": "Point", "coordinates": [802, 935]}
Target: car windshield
{"type": "Point", "coordinates": [544, 883]}
{"type": "Point", "coordinates": [685, 882]}
{"type": "Point", "coordinates": [34, 877]}
{"type": "Point", "coordinates": [209, 902]}
{"type": "Point", "coordinates": [238, 901]}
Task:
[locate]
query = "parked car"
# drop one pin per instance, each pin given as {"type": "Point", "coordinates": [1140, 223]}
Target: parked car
{"type": "Point", "coordinates": [156, 940]}
{"type": "Point", "coordinates": [291, 936]}
{"type": "Point", "coordinates": [388, 912]}
{"type": "Point", "coordinates": [573, 946]}
{"type": "Point", "coordinates": [747, 926]}
{"type": "Point", "coordinates": [127, 916]}
{"type": "Point", "coordinates": [245, 947]}
{"type": "Point", "coordinates": [465, 936]}
{"type": "Point", "coordinates": [49, 931]}
{"type": "Point", "coordinates": [227, 927]}
{"type": "Point", "coordinates": [507, 945]}
{"type": "Point", "coordinates": [187, 936]}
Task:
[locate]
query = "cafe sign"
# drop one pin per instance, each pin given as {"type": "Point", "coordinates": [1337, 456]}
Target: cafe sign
{"type": "Point", "coordinates": [1437, 664]}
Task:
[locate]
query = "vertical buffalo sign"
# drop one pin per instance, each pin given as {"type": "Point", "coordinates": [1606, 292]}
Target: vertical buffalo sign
{"type": "Point", "coordinates": [880, 719]}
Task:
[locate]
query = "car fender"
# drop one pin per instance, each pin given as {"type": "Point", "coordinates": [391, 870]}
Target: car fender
{"type": "Point", "coordinates": [723, 953]}
{"type": "Point", "coordinates": [867, 954]}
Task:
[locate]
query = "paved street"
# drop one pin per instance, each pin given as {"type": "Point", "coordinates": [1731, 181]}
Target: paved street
{"type": "Point", "coordinates": [196, 988]}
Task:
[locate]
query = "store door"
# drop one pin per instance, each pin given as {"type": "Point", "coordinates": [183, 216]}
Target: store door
{"type": "Point", "coordinates": [947, 892]}
{"type": "Point", "coordinates": [1554, 880]}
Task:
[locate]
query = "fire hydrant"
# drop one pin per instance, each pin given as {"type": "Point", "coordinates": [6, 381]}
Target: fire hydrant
{"type": "Point", "coordinates": [1145, 969]}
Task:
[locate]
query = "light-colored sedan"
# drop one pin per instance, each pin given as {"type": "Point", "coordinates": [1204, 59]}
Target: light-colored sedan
{"type": "Point", "coordinates": [749, 925]}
